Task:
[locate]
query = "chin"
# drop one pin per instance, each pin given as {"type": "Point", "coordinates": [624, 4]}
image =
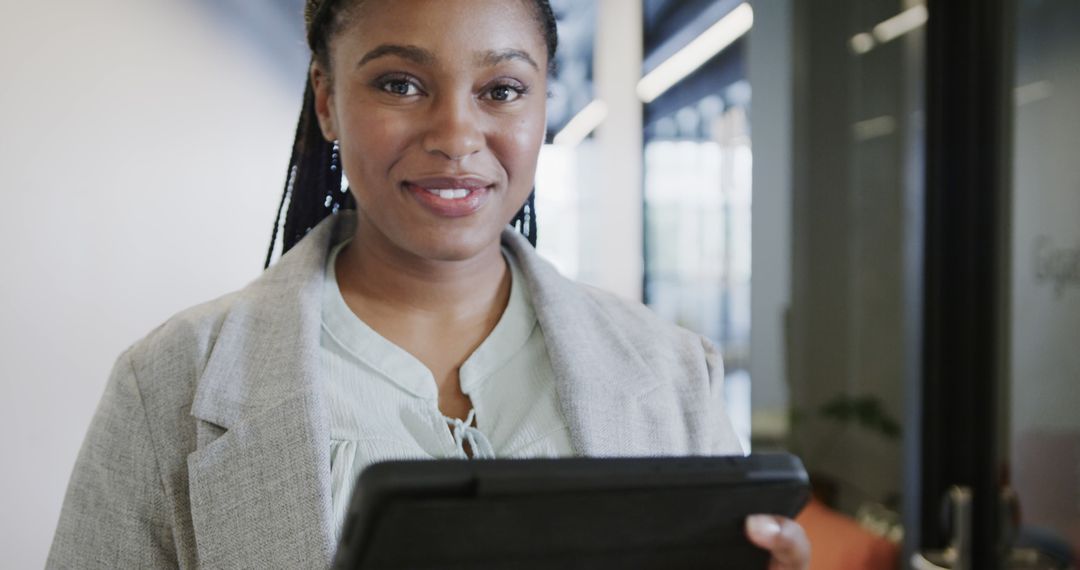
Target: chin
{"type": "Point", "coordinates": [459, 245]}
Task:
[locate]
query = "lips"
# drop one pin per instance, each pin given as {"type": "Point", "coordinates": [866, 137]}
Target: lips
{"type": "Point", "coordinates": [450, 197]}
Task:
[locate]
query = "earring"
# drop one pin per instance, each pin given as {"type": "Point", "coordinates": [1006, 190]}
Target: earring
{"type": "Point", "coordinates": [336, 159]}
{"type": "Point", "coordinates": [335, 175]}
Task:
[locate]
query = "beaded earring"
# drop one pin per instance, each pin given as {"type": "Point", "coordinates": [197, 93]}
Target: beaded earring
{"type": "Point", "coordinates": [335, 175]}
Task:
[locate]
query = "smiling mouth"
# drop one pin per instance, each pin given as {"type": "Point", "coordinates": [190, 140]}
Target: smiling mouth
{"type": "Point", "coordinates": [450, 197]}
{"type": "Point", "coordinates": [449, 193]}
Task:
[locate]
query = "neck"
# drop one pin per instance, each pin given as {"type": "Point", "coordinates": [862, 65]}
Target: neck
{"type": "Point", "coordinates": [375, 273]}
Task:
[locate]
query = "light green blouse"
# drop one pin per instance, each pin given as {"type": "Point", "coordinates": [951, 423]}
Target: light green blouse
{"type": "Point", "coordinates": [384, 402]}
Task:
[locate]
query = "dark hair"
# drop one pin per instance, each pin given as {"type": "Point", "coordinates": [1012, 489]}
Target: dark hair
{"type": "Point", "coordinates": [313, 188]}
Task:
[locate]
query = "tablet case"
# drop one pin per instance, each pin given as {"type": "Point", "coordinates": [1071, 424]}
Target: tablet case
{"type": "Point", "coordinates": [644, 513]}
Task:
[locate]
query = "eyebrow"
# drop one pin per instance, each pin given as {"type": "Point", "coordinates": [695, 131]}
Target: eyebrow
{"type": "Point", "coordinates": [493, 58]}
{"type": "Point", "coordinates": [421, 56]}
{"type": "Point", "coordinates": [414, 54]}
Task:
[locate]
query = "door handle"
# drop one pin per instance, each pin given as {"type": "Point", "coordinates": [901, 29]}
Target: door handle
{"type": "Point", "coordinates": [957, 556]}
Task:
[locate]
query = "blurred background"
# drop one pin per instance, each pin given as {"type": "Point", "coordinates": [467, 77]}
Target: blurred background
{"type": "Point", "coordinates": [872, 206]}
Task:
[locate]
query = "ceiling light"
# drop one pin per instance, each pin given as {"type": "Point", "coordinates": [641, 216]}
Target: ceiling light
{"type": "Point", "coordinates": [582, 124]}
{"type": "Point", "coordinates": [900, 24]}
{"type": "Point", "coordinates": [713, 41]}
{"type": "Point", "coordinates": [874, 128]}
{"type": "Point", "coordinates": [862, 43]}
{"type": "Point", "coordinates": [1033, 92]}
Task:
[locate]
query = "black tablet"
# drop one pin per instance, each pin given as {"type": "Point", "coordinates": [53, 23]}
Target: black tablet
{"type": "Point", "coordinates": [667, 513]}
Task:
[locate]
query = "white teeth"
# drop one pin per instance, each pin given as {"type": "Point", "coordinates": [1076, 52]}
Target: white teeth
{"type": "Point", "coordinates": [450, 193]}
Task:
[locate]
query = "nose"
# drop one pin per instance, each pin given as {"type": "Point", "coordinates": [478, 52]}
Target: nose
{"type": "Point", "coordinates": [453, 130]}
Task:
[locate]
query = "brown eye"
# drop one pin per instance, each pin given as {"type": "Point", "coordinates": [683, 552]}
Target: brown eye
{"type": "Point", "coordinates": [505, 93]}
{"type": "Point", "coordinates": [399, 86]}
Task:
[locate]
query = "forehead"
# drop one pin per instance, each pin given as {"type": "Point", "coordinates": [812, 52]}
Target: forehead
{"type": "Point", "coordinates": [461, 30]}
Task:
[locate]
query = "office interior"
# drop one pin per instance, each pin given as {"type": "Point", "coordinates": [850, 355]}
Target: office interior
{"type": "Point", "coordinates": [871, 206]}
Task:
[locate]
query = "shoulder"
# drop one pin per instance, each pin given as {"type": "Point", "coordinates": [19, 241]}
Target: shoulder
{"type": "Point", "coordinates": [179, 349]}
{"type": "Point", "coordinates": [687, 369]}
{"type": "Point", "coordinates": [158, 376]}
{"type": "Point", "coordinates": [637, 319]}
{"type": "Point", "coordinates": [565, 304]}
{"type": "Point", "coordinates": [611, 343]}
{"type": "Point", "coordinates": [182, 344]}
{"type": "Point", "coordinates": [659, 341]}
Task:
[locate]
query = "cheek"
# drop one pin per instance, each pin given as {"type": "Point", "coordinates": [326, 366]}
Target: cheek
{"type": "Point", "coordinates": [519, 147]}
{"type": "Point", "coordinates": [371, 144]}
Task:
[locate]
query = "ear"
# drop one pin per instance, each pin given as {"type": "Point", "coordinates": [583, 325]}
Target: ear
{"type": "Point", "coordinates": [324, 102]}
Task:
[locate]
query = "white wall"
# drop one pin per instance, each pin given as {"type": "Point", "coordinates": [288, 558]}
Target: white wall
{"type": "Point", "coordinates": [142, 150]}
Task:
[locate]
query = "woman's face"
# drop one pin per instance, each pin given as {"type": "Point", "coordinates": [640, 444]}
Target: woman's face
{"type": "Point", "coordinates": [439, 107]}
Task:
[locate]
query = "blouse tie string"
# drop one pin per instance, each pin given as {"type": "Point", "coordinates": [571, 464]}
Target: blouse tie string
{"type": "Point", "coordinates": [478, 442]}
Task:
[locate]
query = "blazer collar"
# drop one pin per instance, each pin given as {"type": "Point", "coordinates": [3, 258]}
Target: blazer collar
{"type": "Point", "coordinates": [260, 491]}
{"type": "Point", "coordinates": [267, 350]}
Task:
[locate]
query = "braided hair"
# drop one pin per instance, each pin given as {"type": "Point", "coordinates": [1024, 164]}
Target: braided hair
{"type": "Point", "coordinates": [313, 182]}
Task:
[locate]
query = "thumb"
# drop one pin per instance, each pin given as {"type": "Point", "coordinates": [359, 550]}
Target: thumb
{"type": "Point", "coordinates": [762, 530]}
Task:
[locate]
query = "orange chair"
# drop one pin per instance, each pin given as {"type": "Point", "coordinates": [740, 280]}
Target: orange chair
{"type": "Point", "coordinates": [837, 542]}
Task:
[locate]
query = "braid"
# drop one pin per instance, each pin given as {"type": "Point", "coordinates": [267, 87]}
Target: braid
{"type": "Point", "coordinates": [550, 28]}
{"type": "Point", "coordinates": [313, 188]}
{"type": "Point", "coordinates": [525, 220]}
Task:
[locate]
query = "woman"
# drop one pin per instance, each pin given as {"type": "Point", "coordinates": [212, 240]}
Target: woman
{"type": "Point", "coordinates": [415, 326]}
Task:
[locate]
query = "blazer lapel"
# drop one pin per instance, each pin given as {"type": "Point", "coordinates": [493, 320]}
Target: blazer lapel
{"type": "Point", "coordinates": [260, 493]}
{"type": "Point", "coordinates": [614, 403]}
{"type": "Point", "coordinates": [260, 479]}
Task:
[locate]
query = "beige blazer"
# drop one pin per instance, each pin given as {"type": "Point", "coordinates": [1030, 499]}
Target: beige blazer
{"type": "Point", "coordinates": [210, 447]}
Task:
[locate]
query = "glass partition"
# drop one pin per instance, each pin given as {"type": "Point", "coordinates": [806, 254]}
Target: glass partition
{"type": "Point", "coordinates": [1044, 363]}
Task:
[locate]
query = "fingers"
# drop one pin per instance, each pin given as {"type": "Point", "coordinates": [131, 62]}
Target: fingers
{"type": "Point", "coordinates": [783, 538]}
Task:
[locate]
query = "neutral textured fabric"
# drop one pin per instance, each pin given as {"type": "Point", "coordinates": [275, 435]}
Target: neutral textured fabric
{"type": "Point", "coordinates": [209, 445]}
{"type": "Point", "coordinates": [384, 403]}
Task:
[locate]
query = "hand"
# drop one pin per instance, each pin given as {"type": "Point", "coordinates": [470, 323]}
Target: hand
{"type": "Point", "coordinates": [783, 538]}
